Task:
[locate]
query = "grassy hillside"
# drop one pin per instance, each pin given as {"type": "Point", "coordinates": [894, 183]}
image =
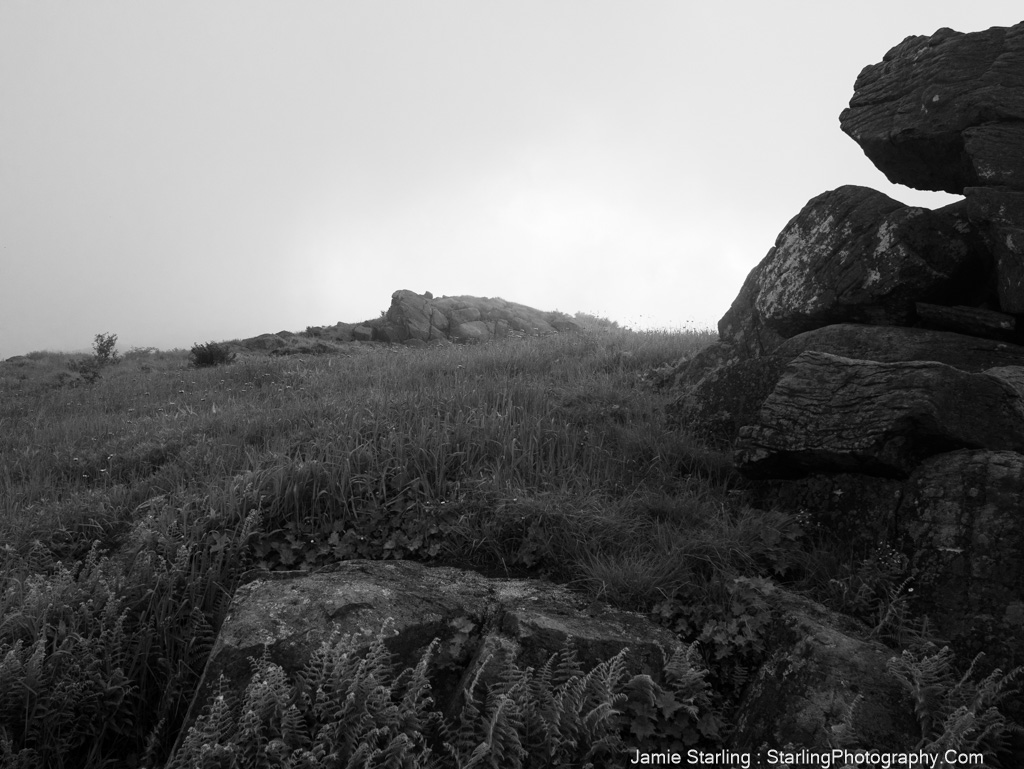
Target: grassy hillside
{"type": "Point", "coordinates": [131, 507]}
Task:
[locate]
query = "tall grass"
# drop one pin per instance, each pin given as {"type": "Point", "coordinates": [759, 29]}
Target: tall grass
{"type": "Point", "coordinates": [140, 500]}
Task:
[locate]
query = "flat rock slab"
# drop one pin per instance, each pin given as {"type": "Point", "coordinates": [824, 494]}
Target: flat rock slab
{"type": "Point", "coordinates": [531, 620]}
{"type": "Point", "coordinates": [944, 112]}
{"type": "Point", "coordinates": [834, 414]}
{"type": "Point", "coordinates": [892, 344]}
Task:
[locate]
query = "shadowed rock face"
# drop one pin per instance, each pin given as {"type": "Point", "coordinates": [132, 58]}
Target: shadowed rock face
{"type": "Point", "coordinates": [961, 517]}
{"type": "Point", "coordinates": [870, 369]}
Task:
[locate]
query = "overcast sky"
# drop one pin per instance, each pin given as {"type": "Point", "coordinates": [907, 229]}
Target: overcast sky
{"type": "Point", "coordinates": [186, 171]}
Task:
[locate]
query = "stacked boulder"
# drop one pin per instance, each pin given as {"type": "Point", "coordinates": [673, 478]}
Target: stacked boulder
{"type": "Point", "coordinates": [418, 319]}
{"type": "Point", "coordinates": [871, 369]}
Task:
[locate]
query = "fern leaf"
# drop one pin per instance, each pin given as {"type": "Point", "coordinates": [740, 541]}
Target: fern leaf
{"type": "Point", "coordinates": [294, 731]}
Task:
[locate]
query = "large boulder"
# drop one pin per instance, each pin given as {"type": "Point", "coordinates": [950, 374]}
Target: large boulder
{"type": "Point", "coordinates": [362, 333]}
{"type": "Point", "coordinates": [289, 616]}
{"type": "Point", "coordinates": [833, 414]}
{"type": "Point", "coordinates": [856, 255]}
{"type": "Point", "coordinates": [411, 316]}
{"type": "Point", "coordinates": [944, 112]}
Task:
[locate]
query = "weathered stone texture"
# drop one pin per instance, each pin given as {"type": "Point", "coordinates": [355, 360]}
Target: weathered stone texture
{"type": "Point", "coordinates": [728, 397]}
{"type": "Point", "coordinates": [961, 517]}
{"type": "Point", "coordinates": [854, 255]}
{"type": "Point", "coordinates": [464, 319]}
{"type": "Point", "coordinates": [291, 615]}
{"type": "Point", "coordinates": [841, 415]}
{"type": "Point", "coordinates": [944, 112]}
{"type": "Point", "coordinates": [890, 344]}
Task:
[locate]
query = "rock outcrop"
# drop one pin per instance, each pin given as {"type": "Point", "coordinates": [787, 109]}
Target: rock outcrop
{"type": "Point", "coordinates": [420, 318]}
{"type": "Point", "coordinates": [869, 370]}
{"type": "Point", "coordinates": [416, 320]}
{"type": "Point", "coordinates": [946, 112]}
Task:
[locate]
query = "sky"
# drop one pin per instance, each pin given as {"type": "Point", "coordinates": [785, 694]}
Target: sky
{"type": "Point", "coordinates": [183, 171]}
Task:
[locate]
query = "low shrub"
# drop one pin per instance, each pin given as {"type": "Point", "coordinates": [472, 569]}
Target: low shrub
{"type": "Point", "coordinates": [210, 354]}
{"type": "Point", "coordinates": [88, 369]}
{"type": "Point", "coordinates": [104, 348]}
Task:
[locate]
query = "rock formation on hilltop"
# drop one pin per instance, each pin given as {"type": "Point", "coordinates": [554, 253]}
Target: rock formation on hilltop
{"type": "Point", "coordinates": [870, 370]}
{"type": "Point", "coordinates": [416, 319]}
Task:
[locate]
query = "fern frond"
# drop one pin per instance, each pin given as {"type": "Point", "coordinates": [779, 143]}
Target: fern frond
{"type": "Point", "coordinates": [214, 727]}
{"type": "Point", "coordinates": [294, 730]}
{"type": "Point", "coordinates": [416, 702]}
{"type": "Point", "coordinates": [568, 664]}
{"type": "Point", "coordinates": [501, 734]}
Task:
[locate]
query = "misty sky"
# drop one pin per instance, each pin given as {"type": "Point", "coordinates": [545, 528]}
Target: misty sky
{"type": "Point", "coordinates": [182, 171]}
